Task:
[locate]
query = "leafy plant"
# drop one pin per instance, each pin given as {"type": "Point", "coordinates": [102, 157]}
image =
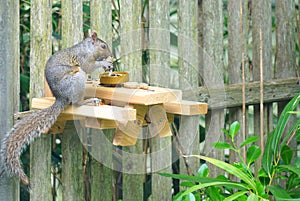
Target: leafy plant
{"type": "Point", "coordinates": [278, 178]}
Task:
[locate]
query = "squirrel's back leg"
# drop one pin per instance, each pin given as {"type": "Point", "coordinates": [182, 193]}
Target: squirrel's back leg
{"type": "Point", "coordinates": [70, 86]}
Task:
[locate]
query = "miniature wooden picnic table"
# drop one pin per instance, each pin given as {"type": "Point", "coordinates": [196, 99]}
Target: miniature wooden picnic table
{"type": "Point", "coordinates": [127, 110]}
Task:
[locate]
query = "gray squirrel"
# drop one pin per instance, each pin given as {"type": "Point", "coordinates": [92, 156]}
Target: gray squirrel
{"type": "Point", "coordinates": [66, 76]}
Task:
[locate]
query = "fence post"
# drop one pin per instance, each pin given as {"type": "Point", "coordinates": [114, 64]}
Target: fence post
{"type": "Point", "coordinates": [159, 53]}
{"type": "Point", "coordinates": [285, 53]}
{"type": "Point", "coordinates": [41, 50]}
{"type": "Point", "coordinates": [237, 26]}
{"type": "Point", "coordinates": [131, 58]}
{"type": "Point", "coordinates": [188, 79]}
{"type": "Point", "coordinates": [9, 81]}
{"type": "Point", "coordinates": [72, 151]}
{"type": "Point", "coordinates": [101, 174]}
{"type": "Point", "coordinates": [211, 65]}
{"type": "Point", "coordinates": [262, 22]}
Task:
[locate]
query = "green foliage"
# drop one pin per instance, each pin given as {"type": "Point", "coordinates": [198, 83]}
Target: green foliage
{"type": "Point", "coordinates": [277, 179]}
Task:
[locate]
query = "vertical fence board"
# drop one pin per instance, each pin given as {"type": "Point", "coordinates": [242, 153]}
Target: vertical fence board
{"type": "Point", "coordinates": [236, 45]}
{"type": "Point", "coordinates": [212, 67]}
{"type": "Point", "coordinates": [9, 81]}
{"type": "Point", "coordinates": [101, 167]}
{"type": "Point", "coordinates": [159, 43]}
{"type": "Point", "coordinates": [101, 182]}
{"type": "Point", "coordinates": [131, 38]}
{"type": "Point", "coordinates": [133, 166]}
{"type": "Point", "coordinates": [262, 22]}
{"type": "Point", "coordinates": [188, 79]}
{"type": "Point", "coordinates": [285, 53]}
{"type": "Point", "coordinates": [101, 20]}
{"type": "Point", "coordinates": [159, 53]}
{"type": "Point", "coordinates": [41, 49]}
{"type": "Point", "coordinates": [131, 58]}
{"type": "Point", "coordinates": [72, 170]}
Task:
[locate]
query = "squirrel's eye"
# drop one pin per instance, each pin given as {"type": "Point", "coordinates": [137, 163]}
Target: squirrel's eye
{"type": "Point", "coordinates": [103, 46]}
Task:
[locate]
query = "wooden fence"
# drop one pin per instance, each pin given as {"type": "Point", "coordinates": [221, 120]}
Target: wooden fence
{"type": "Point", "coordinates": [216, 41]}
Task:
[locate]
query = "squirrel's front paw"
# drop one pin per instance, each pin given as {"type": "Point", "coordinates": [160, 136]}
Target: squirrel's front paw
{"type": "Point", "coordinates": [91, 101]}
{"type": "Point", "coordinates": [106, 65]}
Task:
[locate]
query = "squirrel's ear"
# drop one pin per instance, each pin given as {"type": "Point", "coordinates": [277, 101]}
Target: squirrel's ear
{"type": "Point", "coordinates": [94, 37]}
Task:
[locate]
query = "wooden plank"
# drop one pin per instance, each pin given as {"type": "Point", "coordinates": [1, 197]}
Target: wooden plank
{"type": "Point", "coordinates": [101, 111]}
{"type": "Point", "coordinates": [159, 124]}
{"type": "Point", "coordinates": [155, 95]}
{"type": "Point", "coordinates": [188, 64]}
{"type": "Point", "coordinates": [72, 153]}
{"type": "Point", "coordinates": [131, 61]}
{"type": "Point", "coordinates": [237, 51]}
{"type": "Point", "coordinates": [100, 123]}
{"type": "Point", "coordinates": [285, 63]}
{"type": "Point", "coordinates": [40, 168]}
{"type": "Point", "coordinates": [72, 164]}
{"type": "Point", "coordinates": [101, 17]}
{"type": "Point", "coordinates": [9, 81]}
{"type": "Point", "coordinates": [159, 75]}
{"type": "Point", "coordinates": [212, 70]}
{"type": "Point", "coordinates": [262, 57]}
{"type": "Point", "coordinates": [127, 134]}
{"type": "Point", "coordinates": [41, 50]}
{"type": "Point", "coordinates": [101, 165]}
{"type": "Point", "coordinates": [231, 95]}
{"type": "Point", "coordinates": [186, 107]}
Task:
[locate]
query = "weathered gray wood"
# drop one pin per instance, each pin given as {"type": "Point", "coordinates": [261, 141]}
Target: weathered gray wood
{"type": "Point", "coordinates": [72, 22]}
{"type": "Point", "coordinates": [9, 81]}
{"type": "Point", "coordinates": [212, 68]}
{"type": "Point", "coordinates": [72, 169]}
{"type": "Point", "coordinates": [40, 169]}
{"type": "Point", "coordinates": [131, 38]}
{"type": "Point", "coordinates": [101, 21]}
{"type": "Point", "coordinates": [159, 70]}
{"type": "Point", "coordinates": [188, 78]}
{"type": "Point", "coordinates": [236, 51]}
{"type": "Point", "coordinates": [131, 58]}
{"type": "Point", "coordinates": [274, 90]}
{"type": "Point", "coordinates": [262, 38]}
{"type": "Point", "coordinates": [72, 161]}
{"type": "Point", "coordinates": [159, 43]}
{"type": "Point", "coordinates": [41, 50]}
{"type": "Point", "coordinates": [101, 181]}
{"type": "Point", "coordinates": [285, 56]}
{"type": "Point", "coordinates": [101, 165]}
{"type": "Point", "coordinates": [161, 161]}
{"type": "Point", "coordinates": [133, 171]}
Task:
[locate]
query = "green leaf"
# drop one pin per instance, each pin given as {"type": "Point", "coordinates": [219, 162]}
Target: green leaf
{"type": "Point", "coordinates": [274, 137]}
{"type": "Point", "coordinates": [225, 131]}
{"type": "Point", "coordinates": [231, 170]}
{"type": "Point", "coordinates": [235, 196]}
{"type": "Point", "coordinates": [290, 168]}
{"type": "Point", "coordinates": [222, 145]}
{"type": "Point", "coordinates": [279, 193]}
{"type": "Point", "coordinates": [190, 197]}
{"type": "Point", "coordinates": [286, 154]}
{"type": "Point", "coordinates": [203, 171]}
{"type": "Point", "coordinates": [234, 129]}
{"type": "Point", "coordinates": [205, 185]}
{"type": "Point", "coordinates": [253, 153]}
{"type": "Point", "coordinates": [249, 141]}
{"type": "Point", "coordinates": [252, 197]}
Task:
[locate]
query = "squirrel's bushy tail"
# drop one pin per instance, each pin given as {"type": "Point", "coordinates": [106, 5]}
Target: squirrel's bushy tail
{"type": "Point", "coordinates": [22, 134]}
